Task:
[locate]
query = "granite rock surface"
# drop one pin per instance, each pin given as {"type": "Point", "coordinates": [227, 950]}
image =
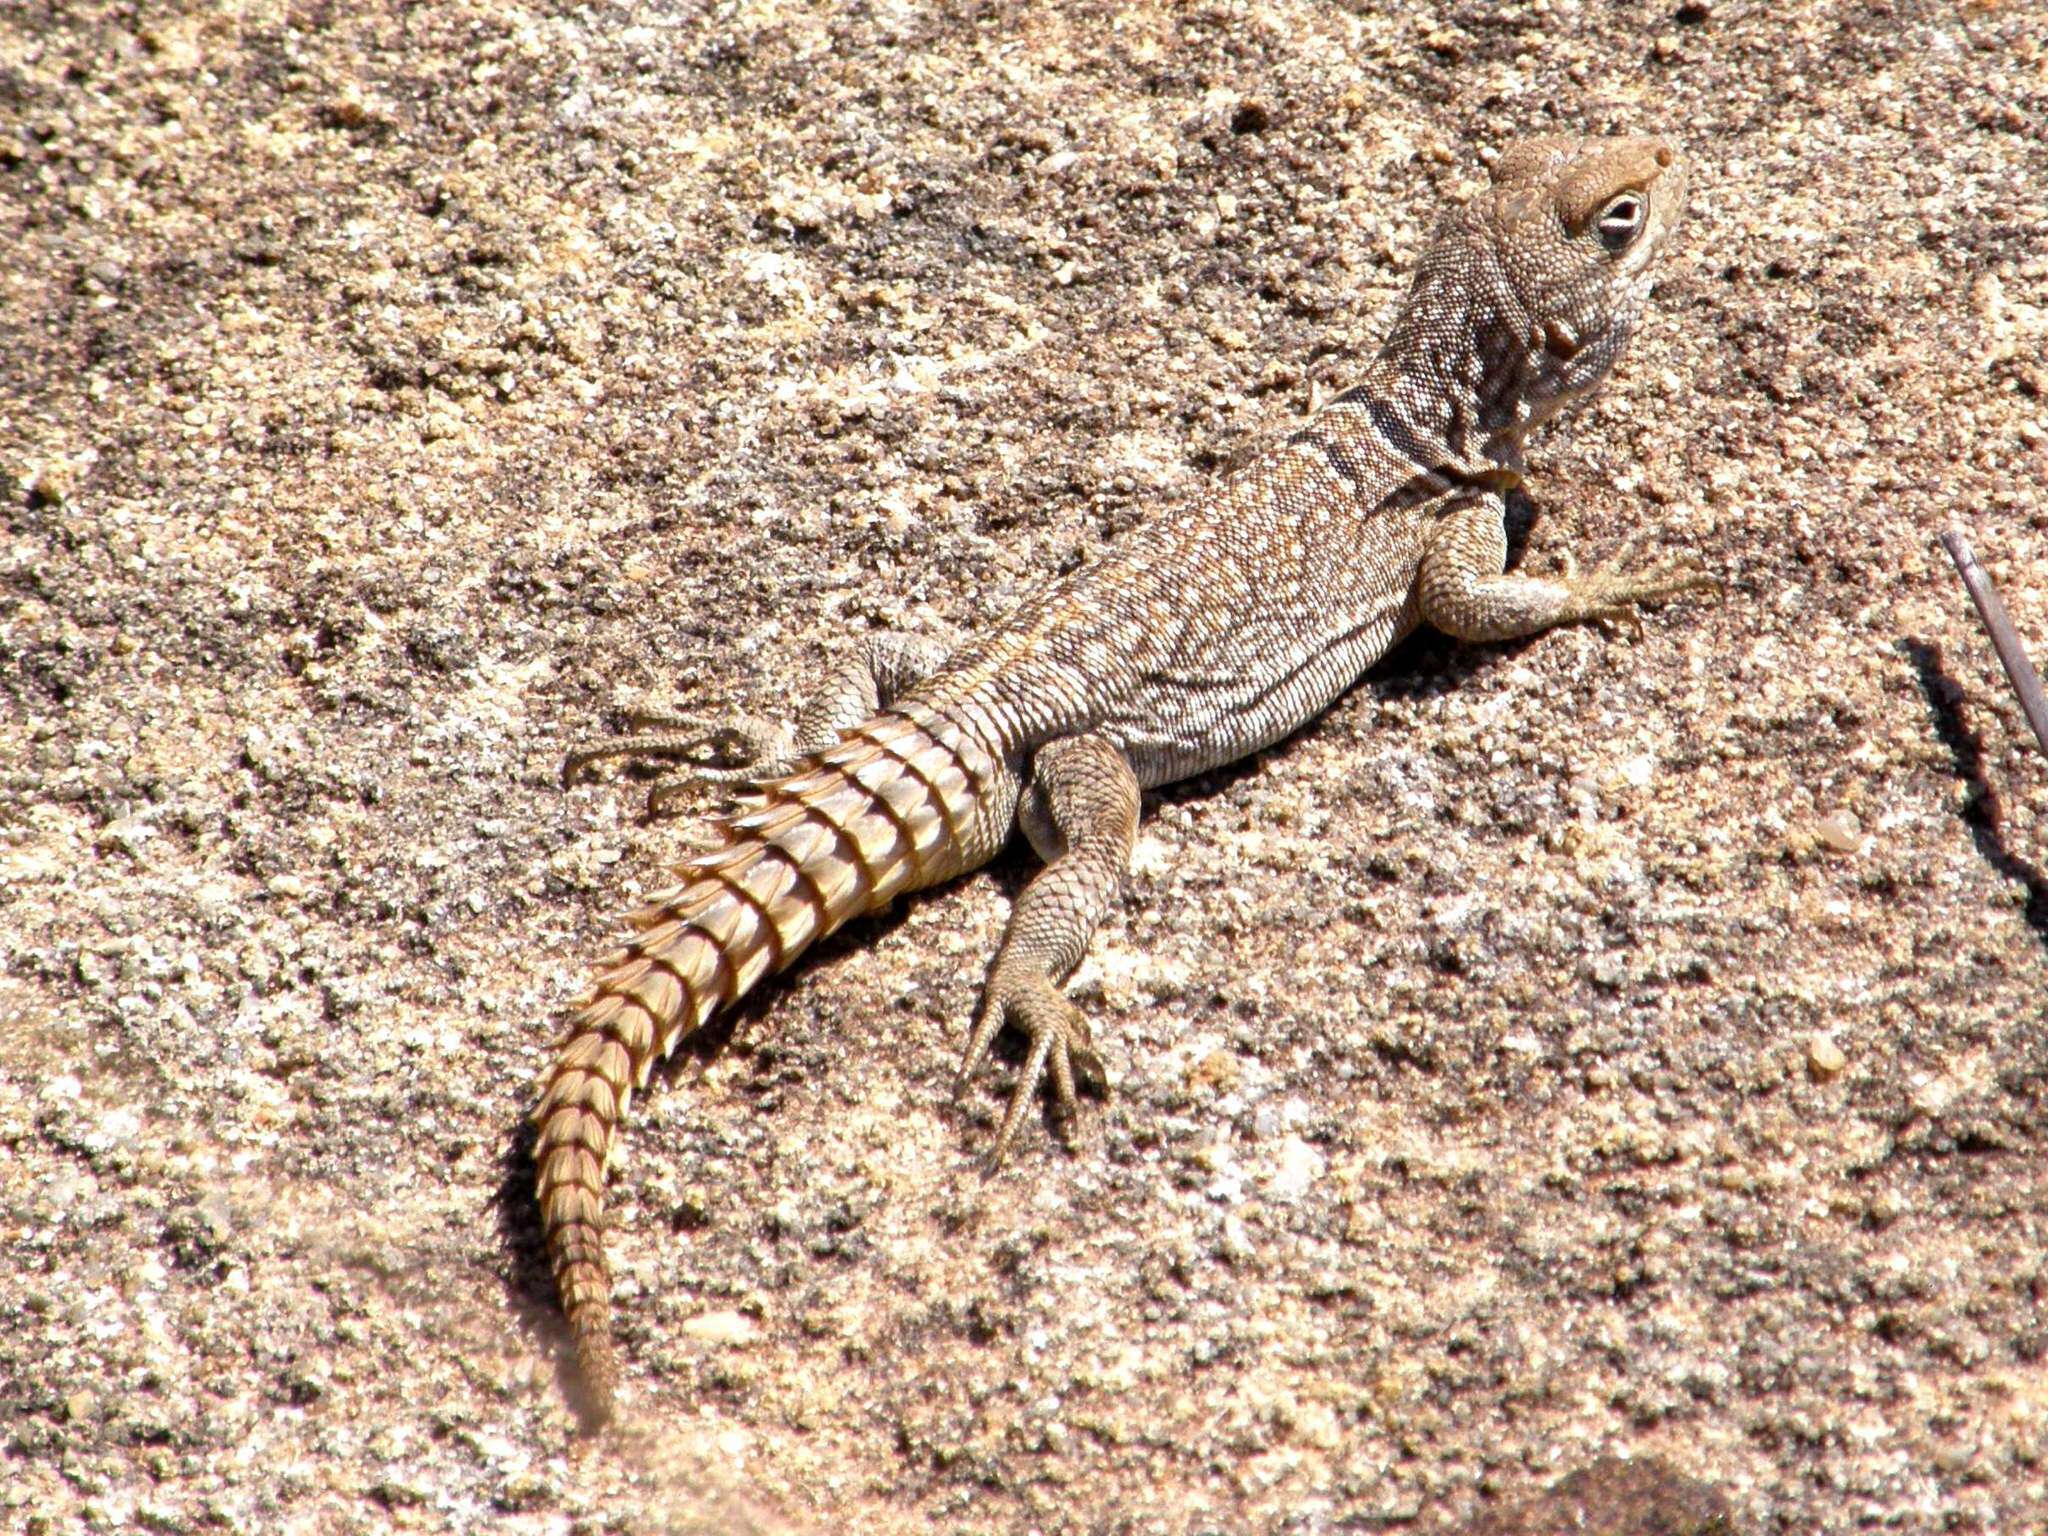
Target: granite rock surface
{"type": "Point", "coordinates": [1601, 1046]}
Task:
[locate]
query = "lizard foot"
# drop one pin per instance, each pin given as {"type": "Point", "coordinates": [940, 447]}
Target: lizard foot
{"type": "Point", "coordinates": [734, 752]}
{"type": "Point", "coordinates": [1610, 593]}
{"type": "Point", "coordinates": [1062, 1051]}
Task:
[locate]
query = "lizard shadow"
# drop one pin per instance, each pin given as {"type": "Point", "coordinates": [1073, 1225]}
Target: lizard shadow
{"type": "Point", "coordinates": [1982, 811]}
{"type": "Point", "coordinates": [527, 1277]}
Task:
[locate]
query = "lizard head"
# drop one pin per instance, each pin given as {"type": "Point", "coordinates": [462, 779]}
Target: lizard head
{"type": "Point", "coordinates": [1530, 292]}
{"type": "Point", "coordinates": [1577, 225]}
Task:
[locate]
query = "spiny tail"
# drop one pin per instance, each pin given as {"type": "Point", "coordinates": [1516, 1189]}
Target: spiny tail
{"type": "Point", "coordinates": [891, 808]}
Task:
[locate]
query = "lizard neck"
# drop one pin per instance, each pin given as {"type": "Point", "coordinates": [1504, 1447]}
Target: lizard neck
{"type": "Point", "coordinates": [1466, 368]}
{"type": "Point", "coordinates": [1473, 433]}
{"type": "Point", "coordinates": [1462, 390]}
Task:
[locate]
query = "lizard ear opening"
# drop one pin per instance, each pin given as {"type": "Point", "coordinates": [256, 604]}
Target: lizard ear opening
{"type": "Point", "coordinates": [1622, 220]}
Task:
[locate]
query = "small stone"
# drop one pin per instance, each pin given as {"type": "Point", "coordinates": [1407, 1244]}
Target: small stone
{"type": "Point", "coordinates": [1300, 1166]}
{"type": "Point", "coordinates": [1216, 1072]}
{"type": "Point", "coordinates": [1313, 1424]}
{"type": "Point", "coordinates": [51, 484]}
{"type": "Point", "coordinates": [1237, 1241]}
{"type": "Point", "coordinates": [1931, 1095]}
{"type": "Point", "coordinates": [128, 835]}
{"type": "Point", "coordinates": [1840, 833]}
{"type": "Point", "coordinates": [1824, 1058]}
{"type": "Point", "coordinates": [116, 1128]}
{"type": "Point", "coordinates": [1953, 1458]}
{"type": "Point", "coordinates": [729, 1328]}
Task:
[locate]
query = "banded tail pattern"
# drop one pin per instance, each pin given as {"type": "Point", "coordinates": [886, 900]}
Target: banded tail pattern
{"type": "Point", "coordinates": [899, 804]}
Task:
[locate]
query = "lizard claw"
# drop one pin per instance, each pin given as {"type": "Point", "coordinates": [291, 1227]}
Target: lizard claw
{"type": "Point", "coordinates": [1619, 621]}
{"type": "Point", "coordinates": [1062, 1052]}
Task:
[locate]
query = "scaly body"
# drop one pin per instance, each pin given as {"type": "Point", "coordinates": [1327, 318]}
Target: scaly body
{"type": "Point", "coordinates": [1206, 635]}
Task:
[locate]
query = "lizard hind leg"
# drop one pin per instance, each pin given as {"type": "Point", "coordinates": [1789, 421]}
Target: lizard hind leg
{"type": "Point", "coordinates": [1082, 810]}
{"type": "Point", "coordinates": [745, 750]}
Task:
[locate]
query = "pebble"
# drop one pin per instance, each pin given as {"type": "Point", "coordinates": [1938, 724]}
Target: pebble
{"type": "Point", "coordinates": [721, 1328]}
{"type": "Point", "coordinates": [1300, 1166]}
{"type": "Point", "coordinates": [1824, 1058]}
{"type": "Point", "coordinates": [1237, 1241]}
{"type": "Point", "coordinates": [1840, 833]}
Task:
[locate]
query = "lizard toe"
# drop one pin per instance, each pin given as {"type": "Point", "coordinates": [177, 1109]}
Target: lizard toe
{"type": "Point", "coordinates": [738, 751]}
{"type": "Point", "coordinates": [732, 748]}
{"type": "Point", "coordinates": [1610, 594]}
{"type": "Point", "coordinates": [1062, 1056]}
{"type": "Point", "coordinates": [988, 1023]}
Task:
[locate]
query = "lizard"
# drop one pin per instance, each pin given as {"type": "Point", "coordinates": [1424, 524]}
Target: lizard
{"type": "Point", "coordinates": [1211, 631]}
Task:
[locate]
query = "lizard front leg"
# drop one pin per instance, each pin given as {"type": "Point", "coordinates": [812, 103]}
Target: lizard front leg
{"type": "Point", "coordinates": [1461, 588]}
{"type": "Point", "coordinates": [1081, 814]}
{"type": "Point", "coordinates": [882, 667]}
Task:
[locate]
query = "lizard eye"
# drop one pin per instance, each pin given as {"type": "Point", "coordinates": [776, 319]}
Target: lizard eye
{"type": "Point", "coordinates": [1621, 221]}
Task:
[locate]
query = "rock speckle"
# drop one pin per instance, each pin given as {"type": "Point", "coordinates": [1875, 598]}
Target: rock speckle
{"type": "Point", "coordinates": [394, 394]}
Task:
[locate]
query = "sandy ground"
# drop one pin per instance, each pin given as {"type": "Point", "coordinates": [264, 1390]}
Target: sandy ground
{"type": "Point", "coordinates": [1594, 1046]}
